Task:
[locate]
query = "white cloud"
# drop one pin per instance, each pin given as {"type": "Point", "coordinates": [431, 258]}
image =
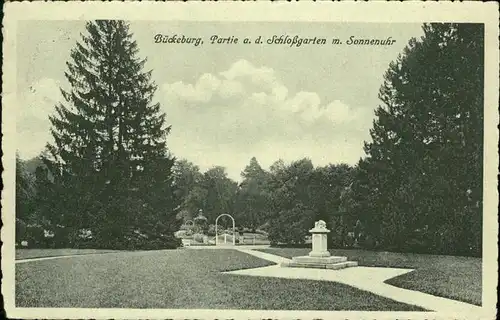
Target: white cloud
{"type": "Point", "coordinates": [335, 112]}
{"type": "Point", "coordinates": [200, 92]}
{"type": "Point", "coordinates": [257, 86]}
{"type": "Point", "coordinates": [338, 111]}
{"type": "Point", "coordinates": [247, 111]}
{"type": "Point", "coordinates": [244, 69]}
{"type": "Point", "coordinates": [230, 88]}
{"type": "Point", "coordinates": [226, 118]}
{"type": "Point", "coordinates": [280, 92]}
{"type": "Point", "coordinates": [208, 83]}
{"type": "Point", "coordinates": [303, 102]}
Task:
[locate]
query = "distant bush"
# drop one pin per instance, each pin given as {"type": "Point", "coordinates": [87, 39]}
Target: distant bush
{"type": "Point", "coordinates": [34, 235]}
{"type": "Point", "coordinates": [137, 243]}
{"type": "Point", "coordinates": [368, 242]}
{"type": "Point", "coordinates": [297, 245]}
{"type": "Point", "coordinates": [349, 240]}
{"type": "Point", "coordinates": [198, 237]}
{"type": "Point", "coordinates": [211, 230]}
{"type": "Point", "coordinates": [291, 226]}
{"type": "Point", "coordinates": [182, 234]}
{"type": "Point", "coordinates": [261, 232]}
{"type": "Point", "coordinates": [292, 237]}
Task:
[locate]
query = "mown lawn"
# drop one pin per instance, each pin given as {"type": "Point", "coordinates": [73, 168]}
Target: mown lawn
{"type": "Point", "coordinates": [180, 279]}
{"type": "Point", "coordinates": [39, 253]}
{"type": "Point", "coordinates": [458, 278]}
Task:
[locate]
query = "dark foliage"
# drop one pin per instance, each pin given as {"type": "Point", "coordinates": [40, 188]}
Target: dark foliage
{"type": "Point", "coordinates": [108, 169]}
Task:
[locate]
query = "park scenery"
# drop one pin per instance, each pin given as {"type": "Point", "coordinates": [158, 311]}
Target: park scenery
{"type": "Point", "coordinates": [245, 176]}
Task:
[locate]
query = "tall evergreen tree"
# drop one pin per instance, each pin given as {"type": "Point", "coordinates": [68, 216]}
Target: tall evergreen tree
{"type": "Point", "coordinates": [109, 149]}
{"type": "Point", "coordinates": [424, 165]}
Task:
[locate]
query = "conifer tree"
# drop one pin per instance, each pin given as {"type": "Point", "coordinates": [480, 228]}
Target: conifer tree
{"type": "Point", "coordinates": [109, 150]}
{"type": "Point", "coordinates": [424, 167]}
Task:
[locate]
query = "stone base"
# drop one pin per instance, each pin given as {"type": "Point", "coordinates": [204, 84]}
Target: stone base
{"type": "Point", "coordinates": [320, 254]}
{"type": "Point", "coordinates": [327, 260]}
{"type": "Point", "coordinates": [332, 262]}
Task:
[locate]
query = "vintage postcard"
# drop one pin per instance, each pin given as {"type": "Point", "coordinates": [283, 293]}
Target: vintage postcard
{"type": "Point", "coordinates": [264, 160]}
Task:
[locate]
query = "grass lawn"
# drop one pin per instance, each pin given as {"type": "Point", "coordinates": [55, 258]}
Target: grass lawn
{"type": "Point", "coordinates": [458, 278]}
{"type": "Point", "coordinates": [39, 253]}
{"type": "Point", "coordinates": [180, 279]}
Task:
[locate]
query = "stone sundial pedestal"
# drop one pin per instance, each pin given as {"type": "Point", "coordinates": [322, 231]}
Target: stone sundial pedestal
{"type": "Point", "coordinates": [319, 257]}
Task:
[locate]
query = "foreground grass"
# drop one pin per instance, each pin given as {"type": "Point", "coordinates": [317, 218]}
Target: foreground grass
{"type": "Point", "coordinates": [458, 278]}
{"type": "Point", "coordinates": [180, 279]}
{"type": "Point", "coordinates": [40, 253]}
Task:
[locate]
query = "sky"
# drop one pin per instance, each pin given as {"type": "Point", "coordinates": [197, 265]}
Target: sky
{"type": "Point", "coordinates": [227, 103]}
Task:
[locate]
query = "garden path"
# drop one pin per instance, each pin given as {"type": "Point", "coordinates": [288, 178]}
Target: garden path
{"type": "Point", "coordinates": [365, 278]}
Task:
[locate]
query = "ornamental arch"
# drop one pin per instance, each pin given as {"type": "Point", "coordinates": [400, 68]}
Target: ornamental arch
{"type": "Point", "coordinates": [234, 229]}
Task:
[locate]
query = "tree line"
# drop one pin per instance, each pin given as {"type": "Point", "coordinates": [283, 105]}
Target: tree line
{"type": "Point", "coordinates": [109, 172]}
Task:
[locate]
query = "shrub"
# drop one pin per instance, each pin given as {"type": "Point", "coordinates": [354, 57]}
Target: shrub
{"type": "Point", "coordinates": [291, 226]}
{"type": "Point", "coordinates": [129, 240]}
{"type": "Point", "coordinates": [186, 227]}
{"type": "Point", "coordinates": [349, 239]}
{"type": "Point", "coordinates": [368, 242]}
{"type": "Point", "coordinates": [337, 236]}
{"type": "Point", "coordinates": [263, 228]}
{"type": "Point", "coordinates": [261, 232]}
{"type": "Point", "coordinates": [35, 236]}
{"type": "Point", "coordinates": [211, 230]}
{"type": "Point", "coordinates": [198, 237]}
{"type": "Point", "coordinates": [292, 235]}
{"type": "Point", "coordinates": [180, 234]}
{"type": "Point", "coordinates": [21, 230]}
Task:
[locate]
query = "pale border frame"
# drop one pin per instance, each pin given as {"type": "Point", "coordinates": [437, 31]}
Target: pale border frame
{"type": "Point", "coordinates": [420, 12]}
